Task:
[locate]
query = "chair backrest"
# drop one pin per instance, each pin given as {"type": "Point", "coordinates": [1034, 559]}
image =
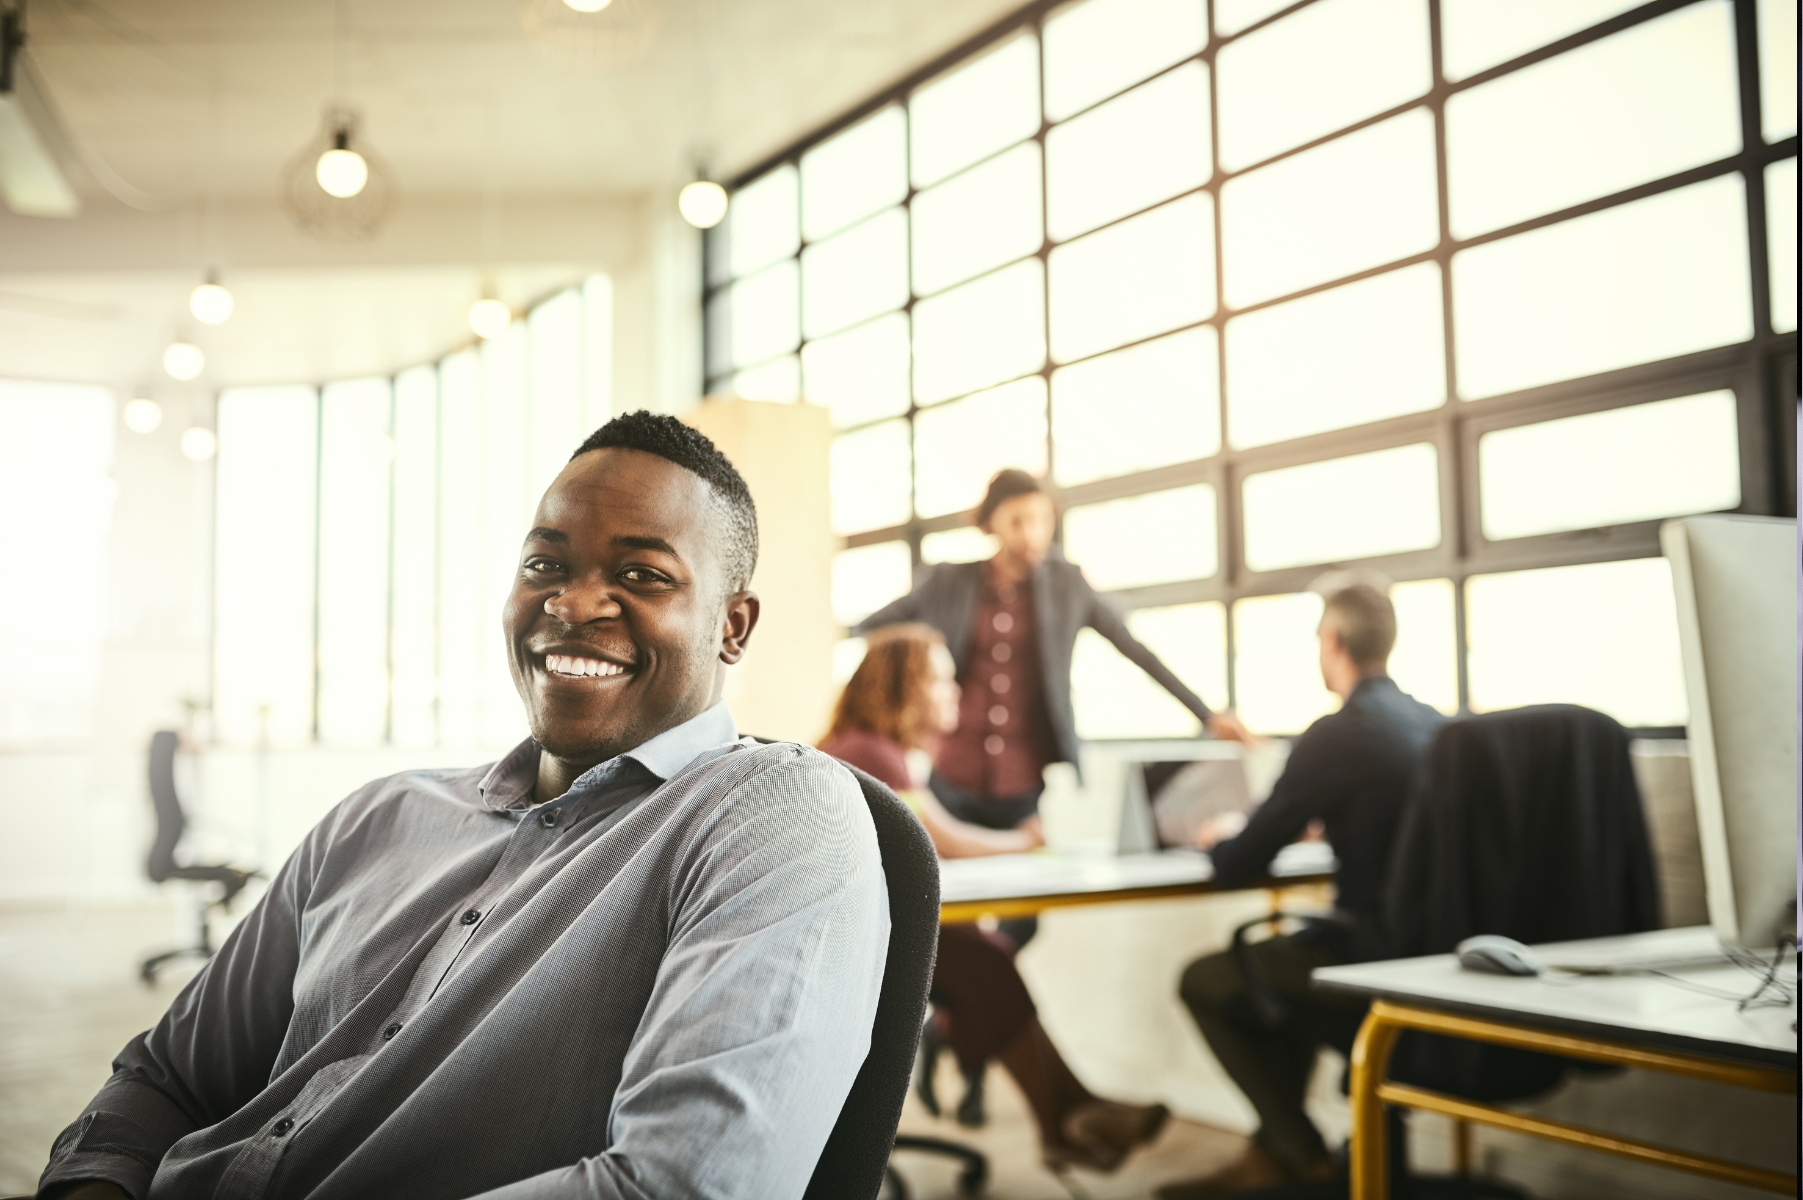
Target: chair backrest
{"type": "Point", "coordinates": [168, 805]}
{"type": "Point", "coordinates": [851, 1165]}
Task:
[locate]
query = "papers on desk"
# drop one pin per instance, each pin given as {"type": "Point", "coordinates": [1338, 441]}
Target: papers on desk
{"type": "Point", "coordinates": [1050, 873]}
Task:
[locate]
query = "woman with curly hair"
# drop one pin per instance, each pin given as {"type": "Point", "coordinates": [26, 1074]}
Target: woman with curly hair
{"type": "Point", "coordinates": [902, 698]}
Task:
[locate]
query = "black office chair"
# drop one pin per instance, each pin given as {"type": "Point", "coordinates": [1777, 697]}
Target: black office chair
{"type": "Point", "coordinates": [162, 865]}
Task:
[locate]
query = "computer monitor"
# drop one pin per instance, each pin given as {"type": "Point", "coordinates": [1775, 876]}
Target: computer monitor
{"type": "Point", "coordinates": [1167, 788]}
{"type": "Point", "coordinates": [1736, 584]}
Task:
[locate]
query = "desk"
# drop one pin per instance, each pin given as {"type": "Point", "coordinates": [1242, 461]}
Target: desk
{"type": "Point", "coordinates": [1024, 885]}
{"type": "Point", "coordinates": [1622, 1020]}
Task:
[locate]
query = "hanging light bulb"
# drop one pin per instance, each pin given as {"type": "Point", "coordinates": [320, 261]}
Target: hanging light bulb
{"type": "Point", "coordinates": [210, 303]}
{"type": "Point", "coordinates": [489, 317]}
{"type": "Point", "coordinates": [199, 443]}
{"type": "Point", "coordinates": [587, 6]}
{"type": "Point", "coordinates": [142, 415]}
{"type": "Point", "coordinates": [341, 171]}
{"type": "Point", "coordinates": [184, 361]}
{"type": "Point", "coordinates": [702, 203]}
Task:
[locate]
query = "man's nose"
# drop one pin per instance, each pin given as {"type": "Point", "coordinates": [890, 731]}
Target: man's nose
{"type": "Point", "coordinates": [582, 601]}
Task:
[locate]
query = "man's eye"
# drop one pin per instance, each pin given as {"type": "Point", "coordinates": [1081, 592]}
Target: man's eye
{"type": "Point", "coordinates": [643, 575]}
{"type": "Point", "coordinates": [543, 566]}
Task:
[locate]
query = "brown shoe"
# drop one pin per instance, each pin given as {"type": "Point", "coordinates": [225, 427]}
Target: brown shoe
{"type": "Point", "coordinates": [1253, 1170]}
{"type": "Point", "coordinates": [1113, 1128]}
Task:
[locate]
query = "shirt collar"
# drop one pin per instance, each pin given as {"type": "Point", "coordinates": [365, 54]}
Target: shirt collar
{"type": "Point", "coordinates": [508, 784]}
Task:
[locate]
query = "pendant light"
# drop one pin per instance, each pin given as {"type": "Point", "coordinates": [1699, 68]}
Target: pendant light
{"type": "Point", "coordinates": [184, 361]}
{"type": "Point", "coordinates": [702, 203]}
{"type": "Point", "coordinates": [210, 302]}
{"type": "Point", "coordinates": [199, 443]}
{"type": "Point", "coordinates": [336, 188]}
{"type": "Point", "coordinates": [489, 317]}
{"type": "Point", "coordinates": [142, 414]}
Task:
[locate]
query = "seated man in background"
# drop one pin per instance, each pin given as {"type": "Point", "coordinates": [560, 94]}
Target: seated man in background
{"type": "Point", "coordinates": [1351, 771]}
{"type": "Point", "coordinates": [638, 957]}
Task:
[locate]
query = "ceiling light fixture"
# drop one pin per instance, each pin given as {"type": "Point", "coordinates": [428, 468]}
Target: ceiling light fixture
{"type": "Point", "coordinates": [587, 6]}
{"type": "Point", "coordinates": [210, 303]}
{"type": "Point", "coordinates": [142, 415]}
{"type": "Point", "coordinates": [337, 189]}
{"type": "Point", "coordinates": [702, 203]}
{"type": "Point", "coordinates": [184, 361]}
{"type": "Point", "coordinates": [489, 316]}
{"type": "Point", "coordinates": [199, 443]}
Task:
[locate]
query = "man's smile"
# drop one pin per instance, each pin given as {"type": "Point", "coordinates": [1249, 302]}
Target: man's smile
{"type": "Point", "coordinates": [587, 664]}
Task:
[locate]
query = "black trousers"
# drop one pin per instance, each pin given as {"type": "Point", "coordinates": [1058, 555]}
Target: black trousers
{"type": "Point", "coordinates": [991, 813]}
{"type": "Point", "coordinates": [1272, 1063]}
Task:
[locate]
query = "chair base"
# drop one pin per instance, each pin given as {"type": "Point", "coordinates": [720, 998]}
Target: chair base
{"type": "Point", "coordinates": [970, 1180]}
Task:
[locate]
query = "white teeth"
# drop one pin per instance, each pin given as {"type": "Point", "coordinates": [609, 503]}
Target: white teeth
{"type": "Point", "coordinates": [569, 664]}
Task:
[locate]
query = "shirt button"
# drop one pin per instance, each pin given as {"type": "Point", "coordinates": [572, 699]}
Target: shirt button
{"type": "Point", "coordinates": [993, 743]}
{"type": "Point", "coordinates": [547, 818]}
{"type": "Point", "coordinates": [998, 715]}
{"type": "Point", "coordinates": [281, 1127]}
{"type": "Point", "coordinates": [1002, 622]}
{"type": "Point", "coordinates": [471, 917]}
{"type": "Point", "coordinates": [1001, 652]}
{"type": "Point", "coordinates": [999, 684]}
{"type": "Point", "coordinates": [388, 1034]}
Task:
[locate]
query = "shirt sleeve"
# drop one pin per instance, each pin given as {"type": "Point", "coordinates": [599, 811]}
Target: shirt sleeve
{"type": "Point", "coordinates": [1308, 787]}
{"type": "Point", "coordinates": [761, 1014]}
{"type": "Point", "coordinates": [903, 608]}
{"type": "Point", "coordinates": [1105, 620]}
{"type": "Point", "coordinates": [211, 1052]}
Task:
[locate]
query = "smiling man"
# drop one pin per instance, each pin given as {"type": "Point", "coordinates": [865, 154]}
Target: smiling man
{"type": "Point", "coordinates": [638, 957]}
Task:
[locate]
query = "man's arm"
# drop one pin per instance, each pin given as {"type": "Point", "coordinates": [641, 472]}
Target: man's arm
{"type": "Point", "coordinates": [209, 1054]}
{"type": "Point", "coordinates": [1304, 792]}
{"type": "Point", "coordinates": [903, 608]}
{"type": "Point", "coordinates": [762, 1010]}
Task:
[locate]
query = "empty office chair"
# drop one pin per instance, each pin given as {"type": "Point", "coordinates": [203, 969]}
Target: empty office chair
{"type": "Point", "coordinates": [162, 865]}
{"type": "Point", "coordinates": [855, 1160]}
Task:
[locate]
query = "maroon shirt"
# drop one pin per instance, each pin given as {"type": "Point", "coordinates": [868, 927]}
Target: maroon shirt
{"type": "Point", "coordinates": [1004, 737]}
{"type": "Point", "coordinates": [873, 754]}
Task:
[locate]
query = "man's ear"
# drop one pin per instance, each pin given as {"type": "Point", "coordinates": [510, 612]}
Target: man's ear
{"type": "Point", "coordinates": [738, 618]}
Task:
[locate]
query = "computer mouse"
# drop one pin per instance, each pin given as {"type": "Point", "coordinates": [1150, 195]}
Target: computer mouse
{"type": "Point", "coordinates": [1497, 955]}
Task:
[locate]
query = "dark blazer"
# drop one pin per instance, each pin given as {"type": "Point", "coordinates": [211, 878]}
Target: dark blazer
{"type": "Point", "coordinates": [1063, 603]}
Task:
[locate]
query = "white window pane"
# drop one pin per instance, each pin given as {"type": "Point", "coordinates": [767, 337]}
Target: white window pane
{"type": "Point", "coordinates": [762, 314]}
{"type": "Point", "coordinates": [1351, 204]}
{"type": "Point", "coordinates": [966, 543]}
{"type": "Point", "coordinates": [507, 508]}
{"type": "Point", "coordinates": [1604, 635]}
{"type": "Point", "coordinates": [1115, 699]}
{"type": "Point", "coordinates": [1128, 281]}
{"type": "Point", "coordinates": [1375, 349]}
{"type": "Point", "coordinates": [847, 654]}
{"type": "Point", "coordinates": [1651, 101]}
{"type": "Point", "coordinates": [1384, 502]}
{"type": "Point", "coordinates": [1318, 70]}
{"type": "Point", "coordinates": [554, 335]}
{"type": "Point", "coordinates": [779, 379]}
{"type": "Point", "coordinates": [1158, 537]}
{"type": "Point", "coordinates": [1231, 16]}
{"type": "Point", "coordinates": [1129, 153]}
{"type": "Point", "coordinates": [1094, 49]}
{"type": "Point", "coordinates": [263, 585]}
{"type": "Point", "coordinates": [980, 333]}
{"type": "Point", "coordinates": [1778, 68]}
{"type": "Point", "coordinates": [1478, 34]}
{"type": "Point", "coordinates": [867, 578]}
{"type": "Point", "coordinates": [464, 623]}
{"type": "Point", "coordinates": [856, 275]}
{"type": "Point", "coordinates": [983, 218]}
{"type": "Point", "coordinates": [56, 447]}
{"type": "Point", "coordinates": [597, 351]}
{"type": "Point", "coordinates": [1664, 459]}
{"type": "Point", "coordinates": [1174, 385]}
{"type": "Point", "coordinates": [356, 455]}
{"type": "Point", "coordinates": [1649, 280]}
{"type": "Point", "coordinates": [414, 637]}
{"type": "Point", "coordinates": [1277, 663]}
{"type": "Point", "coordinates": [959, 447]}
{"type": "Point", "coordinates": [862, 374]}
{"type": "Point", "coordinates": [763, 223]}
{"type": "Point", "coordinates": [870, 477]}
{"type": "Point", "coordinates": [855, 173]}
{"type": "Point", "coordinates": [1781, 241]}
{"type": "Point", "coordinates": [974, 111]}
{"type": "Point", "coordinates": [1424, 662]}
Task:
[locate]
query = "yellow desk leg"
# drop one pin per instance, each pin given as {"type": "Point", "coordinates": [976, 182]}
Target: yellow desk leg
{"type": "Point", "coordinates": [1370, 1064]}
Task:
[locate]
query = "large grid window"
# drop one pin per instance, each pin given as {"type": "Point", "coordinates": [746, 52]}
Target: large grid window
{"type": "Point", "coordinates": [368, 532]}
{"type": "Point", "coordinates": [1469, 293]}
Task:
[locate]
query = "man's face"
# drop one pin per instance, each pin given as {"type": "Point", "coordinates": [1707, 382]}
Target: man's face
{"type": "Point", "coordinates": [618, 621]}
{"type": "Point", "coordinates": [1024, 526]}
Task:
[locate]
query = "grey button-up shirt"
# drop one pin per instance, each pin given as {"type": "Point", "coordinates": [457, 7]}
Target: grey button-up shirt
{"type": "Point", "coordinates": [659, 985]}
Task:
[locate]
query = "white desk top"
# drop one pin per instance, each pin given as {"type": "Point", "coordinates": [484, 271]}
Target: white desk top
{"type": "Point", "coordinates": [1638, 1008]}
{"type": "Point", "coordinates": [1050, 873]}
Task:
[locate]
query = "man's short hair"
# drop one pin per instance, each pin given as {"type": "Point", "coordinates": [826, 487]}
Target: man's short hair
{"type": "Point", "coordinates": [1005, 486]}
{"type": "Point", "coordinates": [690, 449]}
{"type": "Point", "coordinates": [1366, 622]}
